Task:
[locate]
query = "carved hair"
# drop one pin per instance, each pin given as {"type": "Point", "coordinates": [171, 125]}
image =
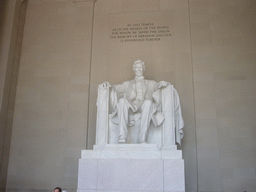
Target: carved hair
{"type": "Point", "coordinates": [139, 62]}
{"type": "Point", "coordinates": [59, 189]}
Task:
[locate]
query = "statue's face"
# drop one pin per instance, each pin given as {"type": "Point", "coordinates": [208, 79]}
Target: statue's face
{"type": "Point", "coordinates": [138, 69]}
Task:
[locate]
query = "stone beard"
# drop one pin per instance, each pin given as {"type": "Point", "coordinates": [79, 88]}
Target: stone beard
{"type": "Point", "coordinates": [140, 97]}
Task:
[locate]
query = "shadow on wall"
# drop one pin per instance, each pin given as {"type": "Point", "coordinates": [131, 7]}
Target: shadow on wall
{"type": "Point", "coordinates": [2, 17]}
{"type": "Point", "coordinates": [11, 74]}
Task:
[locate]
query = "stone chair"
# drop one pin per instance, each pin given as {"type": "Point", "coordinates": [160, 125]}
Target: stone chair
{"type": "Point", "coordinates": [165, 135]}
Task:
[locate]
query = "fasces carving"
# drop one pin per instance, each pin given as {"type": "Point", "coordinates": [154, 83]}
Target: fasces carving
{"type": "Point", "coordinates": [139, 111]}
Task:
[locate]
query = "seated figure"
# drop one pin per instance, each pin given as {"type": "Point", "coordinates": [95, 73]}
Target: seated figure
{"type": "Point", "coordinates": [141, 99]}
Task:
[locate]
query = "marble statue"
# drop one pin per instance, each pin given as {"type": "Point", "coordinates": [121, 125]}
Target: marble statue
{"type": "Point", "coordinates": [140, 99]}
{"type": "Point", "coordinates": [138, 125]}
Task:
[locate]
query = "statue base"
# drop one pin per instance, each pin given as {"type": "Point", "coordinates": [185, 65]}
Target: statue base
{"type": "Point", "coordinates": [131, 167]}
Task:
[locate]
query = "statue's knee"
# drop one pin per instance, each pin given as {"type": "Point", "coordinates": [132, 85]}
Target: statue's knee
{"type": "Point", "coordinates": [121, 100]}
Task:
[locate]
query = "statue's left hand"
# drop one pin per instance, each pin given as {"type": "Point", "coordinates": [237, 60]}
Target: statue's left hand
{"type": "Point", "coordinates": [162, 84]}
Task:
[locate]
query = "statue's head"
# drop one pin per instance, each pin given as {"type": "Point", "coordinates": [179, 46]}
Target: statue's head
{"type": "Point", "coordinates": [57, 189]}
{"type": "Point", "coordinates": [139, 67]}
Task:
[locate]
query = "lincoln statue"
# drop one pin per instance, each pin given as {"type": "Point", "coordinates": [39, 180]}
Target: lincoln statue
{"type": "Point", "coordinates": [136, 96]}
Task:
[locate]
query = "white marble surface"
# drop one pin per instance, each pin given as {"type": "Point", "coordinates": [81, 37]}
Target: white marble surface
{"type": "Point", "coordinates": [84, 190]}
{"type": "Point", "coordinates": [127, 174]}
{"type": "Point", "coordinates": [174, 178]}
{"type": "Point", "coordinates": [88, 173]}
{"type": "Point", "coordinates": [128, 147]}
{"type": "Point", "coordinates": [131, 151]}
{"type": "Point", "coordinates": [131, 167]}
{"type": "Point", "coordinates": [131, 174]}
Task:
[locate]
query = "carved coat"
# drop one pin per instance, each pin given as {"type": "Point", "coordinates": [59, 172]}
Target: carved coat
{"type": "Point", "coordinates": [166, 109]}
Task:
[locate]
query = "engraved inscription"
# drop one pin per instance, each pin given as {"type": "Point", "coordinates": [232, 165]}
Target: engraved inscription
{"type": "Point", "coordinates": [137, 32]}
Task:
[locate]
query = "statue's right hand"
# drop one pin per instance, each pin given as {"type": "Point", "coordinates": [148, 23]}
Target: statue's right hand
{"type": "Point", "coordinates": [105, 85]}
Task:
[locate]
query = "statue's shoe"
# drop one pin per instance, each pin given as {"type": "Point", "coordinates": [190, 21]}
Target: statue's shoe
{"type": "Point", "coordinates": [122, 141]}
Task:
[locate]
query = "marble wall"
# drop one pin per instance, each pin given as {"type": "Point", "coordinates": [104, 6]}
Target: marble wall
{"type": "Point", "coordinates": [70, 46]}
{"type": "Point", "coordinates": [223, 39]}
{"type": "Point", "coordinates": [50, 120]}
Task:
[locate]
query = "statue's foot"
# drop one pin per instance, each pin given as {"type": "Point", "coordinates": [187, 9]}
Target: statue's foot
{"type": "Point", "coordinates": [143, 142]}
{"type": "Point", "coordinates": [122, 139]}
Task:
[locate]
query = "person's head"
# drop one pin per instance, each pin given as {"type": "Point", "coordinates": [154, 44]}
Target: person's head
{"type": "Point", "coordinates": [139, 67]}
{"type": "Point", "coordinates": [57, 189]}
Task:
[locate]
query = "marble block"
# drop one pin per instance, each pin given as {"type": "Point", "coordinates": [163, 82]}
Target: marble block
{"type": "Point", "coordinates": [131, 151]}
{"type": "Point", "coordinates": [130, 174]}
{"type": "Point", "coordinates": [131, 167]}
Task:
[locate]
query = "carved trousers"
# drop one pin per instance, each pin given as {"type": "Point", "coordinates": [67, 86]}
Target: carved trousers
{"type": "Point", "coordinates": [145, 109]}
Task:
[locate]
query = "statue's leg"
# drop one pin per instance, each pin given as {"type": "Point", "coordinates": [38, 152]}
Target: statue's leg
{"type": "Point", "coordinates": [122, 112]}
{"type": "Point", "coordinates": [146, 109]}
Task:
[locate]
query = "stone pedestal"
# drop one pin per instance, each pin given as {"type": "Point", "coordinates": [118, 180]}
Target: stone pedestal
{"type": "Point", "coordinates": [131, 167]}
